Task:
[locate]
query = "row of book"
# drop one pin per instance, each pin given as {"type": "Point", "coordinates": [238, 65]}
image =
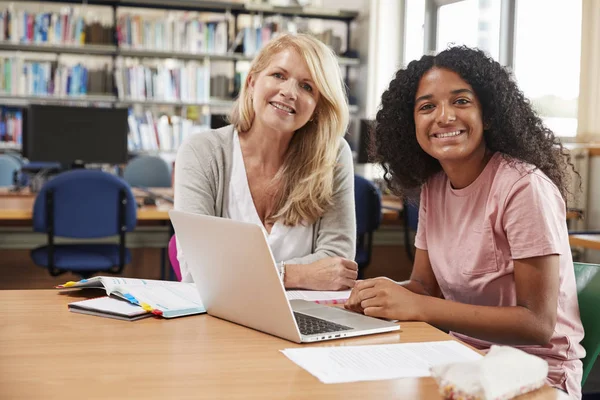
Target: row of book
{"type": "Point", "coordinates": [181, 82]}
{"type": "Point", "coordinates": [186, 82]}
{"type": "Point", "coordinates": [177, 32]}
{"type": "Point", "coordinates": [43, 78]}
{"type": "Point", "coordinates": [11, 126]}
{"type": "Point", "coordinates": [188, 32]}
{"type": "Point", "coordinates": [66, 27]}
{"type": "Point", "coordinates": [150, 132]}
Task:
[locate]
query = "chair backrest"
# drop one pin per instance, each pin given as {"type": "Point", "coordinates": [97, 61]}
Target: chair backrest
{"type": "Point", "coordinates": [148, 171]}
{"type": "Point", "coordinates": [411, 215]}
{"type": "Point", "coordinates": [16, 156]}
{"type": "Point", "coordinates": [173, 257]}
{"type": "Point", "coordinates": [587, 277]}
{"type": "Point", "coordinates": [367, 200]}
{"type": "Point", "coordinates": [8, 166]}
{"type": "Point", "coordinates": [84, 201]}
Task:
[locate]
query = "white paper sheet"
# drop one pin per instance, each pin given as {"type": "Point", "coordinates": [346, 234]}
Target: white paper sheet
{"type": "Point", "coordinates": [378, 362]}
{"type": "Point", "coordinates": [319, 296]}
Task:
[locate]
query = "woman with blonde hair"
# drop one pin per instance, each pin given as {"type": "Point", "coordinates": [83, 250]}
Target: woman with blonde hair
{"type": "Point", "coordinates": [282, 164]}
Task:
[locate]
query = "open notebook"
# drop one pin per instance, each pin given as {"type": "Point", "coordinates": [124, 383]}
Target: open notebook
{"type": "Point", "coordinates": [165, 298]}
{"type": "Point", "coordinates": [171, 299]}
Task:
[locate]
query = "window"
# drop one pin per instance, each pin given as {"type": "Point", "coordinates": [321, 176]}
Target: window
{"type": "Point", "coordinates": [475, 23]}
{"type": "Point", "coordinates": [547, 58]}
{"type": "Point", "coordinates": [414, 28]}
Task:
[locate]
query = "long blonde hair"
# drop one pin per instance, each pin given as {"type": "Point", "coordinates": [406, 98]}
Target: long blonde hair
{"type": "Point", "coordinates": [308, 169]}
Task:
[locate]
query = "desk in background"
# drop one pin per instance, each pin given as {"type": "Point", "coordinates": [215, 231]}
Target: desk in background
{"type": "Point", "coordinates": [153, 228]}
{"type": "Point", "coordinates": [18, 206]}
{"type": "Point", "coordinates": [49, 352]}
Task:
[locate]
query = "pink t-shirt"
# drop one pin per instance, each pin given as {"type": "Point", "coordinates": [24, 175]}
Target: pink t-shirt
{"type": "Point", "coordinates": [472, 236]}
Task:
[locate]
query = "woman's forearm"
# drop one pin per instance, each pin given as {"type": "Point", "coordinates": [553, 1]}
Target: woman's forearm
{"type": "Point", "coordinates": [514, 325]}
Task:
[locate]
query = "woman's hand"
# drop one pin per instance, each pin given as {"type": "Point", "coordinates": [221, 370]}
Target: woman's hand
{"type": "Point", "coordinates": [384, 298]}
{"type": "Point", "coordinates": [331, 273]}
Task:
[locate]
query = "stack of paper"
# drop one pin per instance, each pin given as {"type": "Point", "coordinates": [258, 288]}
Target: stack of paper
{"type": "Point", "coordinates": [319, 296]}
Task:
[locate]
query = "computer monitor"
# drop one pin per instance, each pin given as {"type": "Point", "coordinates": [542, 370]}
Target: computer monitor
{"type": "Point", "coordinates": [74, 135]}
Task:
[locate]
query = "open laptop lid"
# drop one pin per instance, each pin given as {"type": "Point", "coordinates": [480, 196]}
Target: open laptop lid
{"type": "Point", "coordinates": [235, 272]}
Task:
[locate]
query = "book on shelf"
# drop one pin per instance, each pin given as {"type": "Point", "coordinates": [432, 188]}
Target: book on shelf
{"type": "Point", "coordinates": [149, 132]}
{"type": "Point", "coordinates": [181, 32]}
{"type": "Point", "coordinates": [164, 298]}
{"type": "Point", "coordinates": [11, 127]}
{"type": "Point", "coordinates": [65, 27]}
{"type": "Point", "coordinates": [109, 307]}
{"type": "Point", "coordinates": [23, 77]}
{"type": "Point", "coordinates": [161, 80]}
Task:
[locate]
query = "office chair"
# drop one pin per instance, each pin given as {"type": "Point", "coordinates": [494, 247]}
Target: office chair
{"type": "Point", "coordinates": [148, 171]}
{"type": "Point", "coordinates": [587, 277]}
{"type": "Point", "coordinates": [410, 214]}
{"type": "Point", "coordinates": [368, 217]}
{"type": "Point", "coordinates": [84, 204]}
{"type": "Point", "coordinates": [173, 258]}
{"type": "Point", "coordinates": [8, 167]}
{"type": "Point", "coordinates": [16, 156]}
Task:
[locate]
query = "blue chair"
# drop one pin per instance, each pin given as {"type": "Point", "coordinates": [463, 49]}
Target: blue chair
{"type": "Point", "coordinates": [16, 156]}
{"type": "Point", "coordinates": [148, 171]}
{"type": "Point", "coordinates": [8, 167]}
{"type": "Point", "coordinates": [411, 221]}
{"type": "Point", "coordinates": [84, 204]}
{"type": "Point", "coordinates": [367, 199]}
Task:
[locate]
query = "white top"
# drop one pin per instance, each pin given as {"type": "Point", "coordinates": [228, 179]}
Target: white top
{"type": "Point", "coordinates": [286, 242]}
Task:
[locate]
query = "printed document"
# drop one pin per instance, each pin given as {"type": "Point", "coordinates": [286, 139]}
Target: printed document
{"type": "Point", "coordinates": [377, 362]}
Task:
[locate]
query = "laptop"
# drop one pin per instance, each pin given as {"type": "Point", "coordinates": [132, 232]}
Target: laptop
{"type": "Point", "coordinates": [237, 279]}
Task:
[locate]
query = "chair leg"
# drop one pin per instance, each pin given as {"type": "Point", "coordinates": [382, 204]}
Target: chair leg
{"type": "Point", "coordinates": [163, 257]}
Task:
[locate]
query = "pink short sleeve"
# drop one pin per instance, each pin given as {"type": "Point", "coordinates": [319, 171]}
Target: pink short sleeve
{"type": "Point", "coordinates": [534, 217]}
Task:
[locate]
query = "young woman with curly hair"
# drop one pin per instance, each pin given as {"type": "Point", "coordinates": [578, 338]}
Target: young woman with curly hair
{"type": "Point", "coordinates": [493, 263]}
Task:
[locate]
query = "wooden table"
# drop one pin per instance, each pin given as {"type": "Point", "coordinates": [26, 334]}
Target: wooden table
{"type": "Point", "coordinates": [586, 241]}
{"type": "Point", "coordinates": [18, 206]}
{"type": "Point", "coordinates": [48, 352]}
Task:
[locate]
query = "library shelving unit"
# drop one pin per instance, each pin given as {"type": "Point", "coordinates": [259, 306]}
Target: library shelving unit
{"type": "Point", "coordinates": [133, 44]}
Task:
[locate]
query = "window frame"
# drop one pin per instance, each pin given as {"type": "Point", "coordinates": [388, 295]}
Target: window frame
{"type": "Point", "coordinates": [508, 26]}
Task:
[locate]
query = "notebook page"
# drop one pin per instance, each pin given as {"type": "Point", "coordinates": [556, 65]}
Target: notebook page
{"type": "Point", "coordinates": [321, 296]}
{"type": "Point", "coordinates": [113, 282]}
{"type": "Point", "coordinates": [167, 298]}
{"type": "Point", "coordinates": [377, 362]}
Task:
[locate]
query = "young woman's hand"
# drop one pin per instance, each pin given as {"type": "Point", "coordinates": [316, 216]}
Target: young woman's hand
{"type": "Point", "coordinates": [384, 298]}
{"type": "Point", "coordinates": [331, 273]}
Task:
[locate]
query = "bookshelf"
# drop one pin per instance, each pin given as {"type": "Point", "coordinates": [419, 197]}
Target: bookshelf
{"type": "Point", "coordinates": [179, 60]}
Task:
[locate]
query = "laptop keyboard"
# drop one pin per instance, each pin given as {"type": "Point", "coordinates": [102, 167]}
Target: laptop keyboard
{"type": "Point", "coordinates": [309, 325]}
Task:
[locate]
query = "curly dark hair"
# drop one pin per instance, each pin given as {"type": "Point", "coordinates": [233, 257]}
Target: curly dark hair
{"type": "Point", "coordinates": [511, 125]}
